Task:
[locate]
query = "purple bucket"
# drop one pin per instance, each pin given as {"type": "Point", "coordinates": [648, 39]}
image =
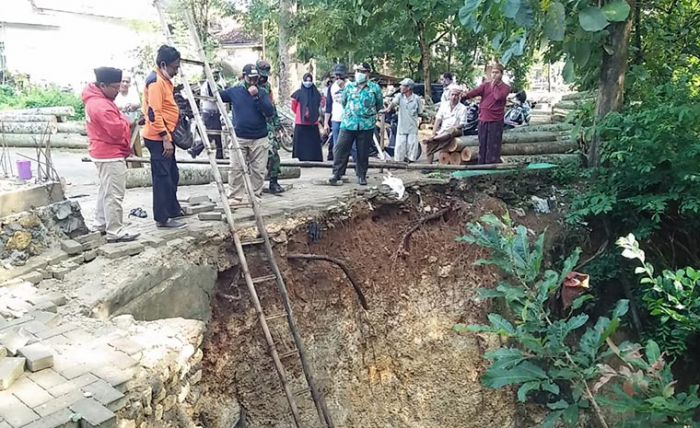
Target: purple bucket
{"type": "Point", "coordinates": [24, 169]}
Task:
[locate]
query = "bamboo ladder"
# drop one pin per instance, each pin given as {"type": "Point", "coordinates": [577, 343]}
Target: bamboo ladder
{"type": "Point", "coordinates": [275, 276]}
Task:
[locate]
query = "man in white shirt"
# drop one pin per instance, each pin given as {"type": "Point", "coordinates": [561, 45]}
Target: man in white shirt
{"type": "Point", "coordinates": [450, 118]}
{"type": "Point", "coordinates": [447, 80]}
{"type": "Point", "coordinates": [410, 107]}
{"type": "Point", "coordinates": [334, 108]}
{"type": "Point", "coordinates": [127, 100]}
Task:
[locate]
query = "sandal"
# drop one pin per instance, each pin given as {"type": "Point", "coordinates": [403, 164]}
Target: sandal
{"type": "Point", "coordinates": [138, 212]}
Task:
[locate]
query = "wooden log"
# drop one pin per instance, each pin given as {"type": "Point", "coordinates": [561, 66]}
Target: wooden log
{"type": "Point", "coordinates": [518, 138]}
{"type": "Point", "coordinates": [10, 116]}
{"type": "Point", "coordinates": [469, 153]}
{"type": "Point", "coordinates": [578, 96]}
{"type": "Point", "coordinates": [38, 128]}
{"type": "Point", "coordinates": [72, 127]}
{"type": "Point", "coordinates": [58, 141]}
{"type": "Point", "coordinates": [193, 175]}
{"type": "Point", "coordinates": [540, 148]}
{"type": "Point", "coordinates": [549, 127]}
{"type": "Point", "coordinates": [56, 111]}
{"type": "Point", "coordinates": [455, 158]}
{"type": "Point", "coordinates": [456, 145]}
{"type": "Point", "coordinates": [572, 158]}
{"type": "Point", "coordinates": [444, 158]}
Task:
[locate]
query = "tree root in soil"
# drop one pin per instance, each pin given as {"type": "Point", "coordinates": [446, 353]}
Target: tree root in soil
{"type": "Point", "coordinates": [402, 251]}
{"type": "Point", "coordinates": [341, 264]}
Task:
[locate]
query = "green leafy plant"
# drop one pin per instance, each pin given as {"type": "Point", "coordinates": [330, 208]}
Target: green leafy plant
{"type": "Point", "coordinates": [550, 356]}
{"type": "Point", "coordinates": [35, 96]}
{"type": "Point", "coordinates": [672, 299]}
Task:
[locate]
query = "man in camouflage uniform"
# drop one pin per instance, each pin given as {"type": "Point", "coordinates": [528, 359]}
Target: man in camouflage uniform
{"type": "Point", "coordinates": [274, 127]}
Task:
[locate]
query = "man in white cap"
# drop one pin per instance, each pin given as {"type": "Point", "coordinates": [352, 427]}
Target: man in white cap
{"type": "Point", "coordinates": [410, 108]}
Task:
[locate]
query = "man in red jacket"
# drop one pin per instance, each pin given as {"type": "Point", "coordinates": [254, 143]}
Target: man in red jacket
{"type": "Point", "coordinates": [108, 133]}
{"type": "Point", "coordinates": [491, 112]}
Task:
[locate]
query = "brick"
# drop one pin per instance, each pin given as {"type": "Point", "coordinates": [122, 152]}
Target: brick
{"type": "Point", "coordinates": [47, 378]}
{"type": "Point", "coordinates": [103, 392]}
{"type": "Point", "coordinates": [57, 298]}
{"type": "Point", "coordinates": [55, 257]}
{"type": "Point", "coordinates": [34, 277]}
{"type": "Point", "coordinates": [196, 209]}
{"type": "Point", "coordinates": [11, 368]}
{"type": "Point", "coordinates": [198, 200]}
{"type": "Point", "coordinates": [15, 338]}
{"type": "Point", "coordinates": [58, 272]}
{"type": "Point", "coordinates": [114, 376]}
{"type": "Point", "coordinates": [210, 216]}
{"type": "Point", "coordinates": [47, 306]}
{"type": "Point", "coordinates": [151, 241]}
{"type": "Point", "coordinates": [30, 393]}
{"type": "Point", "coordinates": [88, 237]}
{"type": "Point", "coordinates": [17, 322]}
{"type": "Point", "coordinates": [38, 357]}
{"type": "Point", "coordinates": [59, 403]}
{"type": "Point", "coordinates": [94, 414]}
{"type": "Point", "coordinates": [90, 255]}
{"type": "Point", "coordinates": [71, 247]}
{"type": "Point", "coordinates": [56, 331]}
{"type": "Point", "coordinates": [77, 260]}
{"type": "Point", "coordinates": [64, 418]}
{"type": "Point", "coordinates": [14, 412]}
{"type": "Point", "coordinates": [48, 318]}
{"type": "Point", "coordinates": [73, 384]}
{"type": "Point", "coordinates": [114, 251]}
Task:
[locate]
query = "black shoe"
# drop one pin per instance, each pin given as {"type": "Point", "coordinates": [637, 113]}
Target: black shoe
{"type": "Point", "coordinates": [335, 181]}
{"type": "Point", "coordinates": [362, 181]}
{"type": "Point", "coordinates": [275, 187]}
{"type": "Point", "coordinates": [170, 224]}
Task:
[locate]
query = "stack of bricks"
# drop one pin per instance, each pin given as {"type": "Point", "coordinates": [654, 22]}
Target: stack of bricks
{"type": "Point", "coordinates": [202, 206]}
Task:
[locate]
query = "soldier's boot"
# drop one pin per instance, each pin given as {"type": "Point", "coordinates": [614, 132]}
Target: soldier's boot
{"type": "Point", "coordinates": [275, 186]}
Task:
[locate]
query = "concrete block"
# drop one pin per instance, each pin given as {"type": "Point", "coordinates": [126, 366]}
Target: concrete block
{"type": "Point", "coordinates": [30, 393]}
{"type": "Point", "coordinates": [47, 378]}
{"type": "Point", "coordinates": [16, 322]}
{"type": "Point", "coordinates": [48, 318]}
{"type": "Point", "coordinates": [114, 251]}
{"type": "Point", "coordinates": [55, 257]}
{"type": "Point", "coordinates": [116, 377]}
{"type": "Point", "coordinates": [58, 403]}
{"type": "Point", "coordinates": [77, 260]}
{"type": "Point", "coordinates": [15, 338]}
{"type": "Point", "coordinates": [151, 241]}
{"type": "Point", "coordinates": [54, 297]}
{"type": "Point", "coordinates": [38, 357]}
{"type": "Point", "coordinates": [11, 368]}
{"type": "Point", "coordinates": [90, 255]}
{"type": "Point", "coordinates": [46, 306]}
{"type": "Point", "coordinates": [89, 237]}
{"type": "Point", "coordinates": [73, 384]}
{"type": "Point", "coordinates": [56, 331]}
{"type": "Point", "coordinates": [64, 418]}
{"type": "Point", "coordinates": [71, 247]}
{"type": "Point", "coordinates": [27, 198]}
{"type": "Point", "coordinates": [94, 414]}
{"type": "Point", "coordinates": [197, 200]}
{"type": "Point", "coordinates": [102, 392]}
{"type": "Point", "coordinates": [210, 216]}
{"type": "Point", "coordinates": [196, 209]}
{"type": "Point", "coordinates": [14, 412]}
{"type": "Point", "coordinates": [58, 272]}
{"type": "Point", "coordinates": [34, 277]}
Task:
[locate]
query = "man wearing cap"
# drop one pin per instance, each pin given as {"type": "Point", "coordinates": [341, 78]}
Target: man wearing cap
{"type": "Point", "coordinates": [274, 127]}
{"type": "Point", "coordinates": [361, 100]}
{"type": "Point", "coordinates": [108, 133]}
{"type": "Point", "coordinates": [251, 109]}
{"type": "Point", "coordinates": [494, 94]}
{"type": "Point", "coordinates": [410, 108]}
{"type": "Point", "coordinates": [334, 109]}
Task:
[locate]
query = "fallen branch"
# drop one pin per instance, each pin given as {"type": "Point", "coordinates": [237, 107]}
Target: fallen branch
{"type": "Point", "coordinates": [341, 264]}
{"type": "Point", "coordinates": [405, 241]}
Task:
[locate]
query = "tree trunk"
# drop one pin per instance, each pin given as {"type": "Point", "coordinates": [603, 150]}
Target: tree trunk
{"type": "Point", "coordinates": [285, 16]}
{"type": "Point", "coordinates": [611, 87]}
{"type": "Point", "coordinates": [425, 63]}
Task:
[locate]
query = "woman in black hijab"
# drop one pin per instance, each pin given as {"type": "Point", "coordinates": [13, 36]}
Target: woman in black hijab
{"type": "Point", "coordinates": [307, 137]}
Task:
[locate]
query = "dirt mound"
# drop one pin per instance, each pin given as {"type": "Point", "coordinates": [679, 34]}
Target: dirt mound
{"type": "Point", "coordinates": [398, 364]}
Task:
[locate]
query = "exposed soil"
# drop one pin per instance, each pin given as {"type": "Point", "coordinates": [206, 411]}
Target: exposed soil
{"type": "Point", "coordinates": [398, 364]}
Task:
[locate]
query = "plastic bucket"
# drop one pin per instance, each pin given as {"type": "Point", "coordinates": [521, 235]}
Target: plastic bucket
{"type": "Point", "coordinates": [24, 169]}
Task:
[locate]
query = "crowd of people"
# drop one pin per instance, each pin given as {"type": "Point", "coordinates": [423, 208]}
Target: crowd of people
{"type": "Point", "coordinates": [345, 114]}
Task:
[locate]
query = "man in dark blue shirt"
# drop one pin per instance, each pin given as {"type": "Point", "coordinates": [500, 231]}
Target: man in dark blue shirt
{"type": "Point", "coordinates": [251, 111]}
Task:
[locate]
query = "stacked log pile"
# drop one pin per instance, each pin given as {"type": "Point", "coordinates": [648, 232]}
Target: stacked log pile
{"type": "Point", "coordinates": [546, 143]}
{"type": "Point", "coordinates": [34, 126]}
{"type": "Point", "coordinates": [570, 103]}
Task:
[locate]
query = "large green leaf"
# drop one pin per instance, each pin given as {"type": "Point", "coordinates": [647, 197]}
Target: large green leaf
{"type": "Point", "coordinates": [616, 11]}
{"type": "Point", "coordinates": [652, 352]}
{"type": "Point", "coordinates": [525, 388]}
{"type": "Point", "coordinates": [501, 324]}
{"type": "Point", "coordinates": [510, 8]}
{"type": "Point", "coordinates": [505, 357]}
{"type": "Point", "coordinates": [525, 17]}
{"type": "Point", "coordinates": [524, 372]}
{"type": "Point", "coordinates": [581, 52]}
{"type": "Point", "coordinates": [466, 12]}
{"type": "Point", "coordinates": [592, 19]}
{"type": "Point", "coordinates": [567, 73]}
{"type": "Point", "coordinates": [555, 22]}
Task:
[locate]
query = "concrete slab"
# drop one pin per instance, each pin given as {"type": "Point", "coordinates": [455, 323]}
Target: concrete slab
{"type": "Point", "coordinates": [11, 368]}
{"type": "Point", "coordinates": [28, 197]}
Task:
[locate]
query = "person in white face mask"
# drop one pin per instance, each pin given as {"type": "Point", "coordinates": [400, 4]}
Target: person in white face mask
{"type": "Point", "coordinates": [361, 100]}
{"type": "Point", "coordinates": [306, 102]}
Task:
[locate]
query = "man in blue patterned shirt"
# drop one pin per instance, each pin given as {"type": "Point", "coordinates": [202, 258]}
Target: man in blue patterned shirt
{"type": "Point", "coordinates": [361, 100]}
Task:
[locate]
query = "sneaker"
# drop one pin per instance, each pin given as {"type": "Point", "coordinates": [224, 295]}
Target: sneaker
{"type": "Point", "coordinates": [127, 237]}
{"type": "Point", "coordinates": [170, 224]}
{"type": "Point", "coordinates": [335, 181]}
{"type": "Point", "coordinates": [362, 181]}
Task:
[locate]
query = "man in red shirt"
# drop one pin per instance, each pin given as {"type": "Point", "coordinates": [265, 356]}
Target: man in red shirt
{"type": "Point", "coordinates": [109, 136]}
{"type": "Point", "coordinates": [491, 111]}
